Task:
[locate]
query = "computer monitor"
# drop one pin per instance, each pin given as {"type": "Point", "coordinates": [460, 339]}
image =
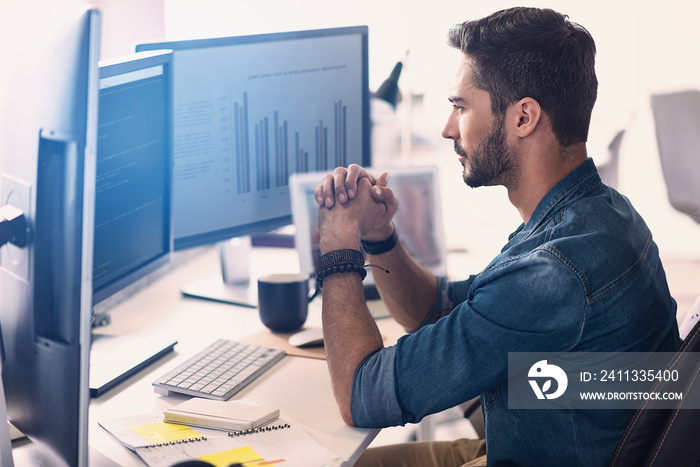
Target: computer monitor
{"type": "Point", "coordinates": [133, 232]}
{"type": "Point", "coordinates": [251, 110]}
{"type": "Point", "coordinates": [48, 135]}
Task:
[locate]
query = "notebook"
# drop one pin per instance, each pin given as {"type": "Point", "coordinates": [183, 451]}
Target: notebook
{"type": "Point", "coordinates": [418, 220]}
{"type": "Point", "coordinates": [222, 415]}
{"type": "Point", "coordinates": [161, 444]}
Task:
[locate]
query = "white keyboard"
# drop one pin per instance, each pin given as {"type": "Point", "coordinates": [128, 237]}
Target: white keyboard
{"type": "Point", "coordinates": [219, 371]}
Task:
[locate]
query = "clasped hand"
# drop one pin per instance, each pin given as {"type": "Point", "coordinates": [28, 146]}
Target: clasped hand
{"type": "Point", "coordinates": [354, 203]}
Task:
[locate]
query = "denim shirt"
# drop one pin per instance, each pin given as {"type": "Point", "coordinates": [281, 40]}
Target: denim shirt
{"type": "Point", "coordinates": [583, 275]}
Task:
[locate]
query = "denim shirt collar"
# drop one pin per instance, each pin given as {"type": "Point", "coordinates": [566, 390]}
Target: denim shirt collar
{"type": "Point", "coordinates": [577, 183]}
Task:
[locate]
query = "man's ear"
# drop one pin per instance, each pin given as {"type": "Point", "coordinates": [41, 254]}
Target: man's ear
{"type": "Point", "coordinates": [527, 115]}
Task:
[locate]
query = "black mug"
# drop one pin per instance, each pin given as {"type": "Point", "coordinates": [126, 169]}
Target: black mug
{"type": "Point", "coordinates": [283, 301]}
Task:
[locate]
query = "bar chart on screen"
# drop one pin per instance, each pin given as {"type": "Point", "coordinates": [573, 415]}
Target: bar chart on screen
{"type": "Point", "coordinates": [278, 148]}
{"type": "Point", "coordinates": [246, 118]}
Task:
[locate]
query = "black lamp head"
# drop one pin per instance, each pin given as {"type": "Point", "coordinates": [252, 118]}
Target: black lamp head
{"type": "Point", "coordinates": [389, 90]}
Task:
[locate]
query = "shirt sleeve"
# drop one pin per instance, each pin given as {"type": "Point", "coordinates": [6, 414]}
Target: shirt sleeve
{"type": "Point", "coordinates": [373, 392]}
{"type": "Point", "coordinates": [373, 402]}
{"type": "Point", "coordinates": [530, 303]}
{"type": "Point", "coordinates": [449, 294]}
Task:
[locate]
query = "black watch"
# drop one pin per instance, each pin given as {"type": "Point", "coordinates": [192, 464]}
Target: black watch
{"type": "Point", "coordinates": [377, 248]}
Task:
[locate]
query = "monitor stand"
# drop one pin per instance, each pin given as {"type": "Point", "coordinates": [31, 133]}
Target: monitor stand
{"type": "Point", "coordinates": [5, 440]}
{"type": "Point", "coordinates": [215, 289]}
{"type": "Point", "coordinates": [233, 286]}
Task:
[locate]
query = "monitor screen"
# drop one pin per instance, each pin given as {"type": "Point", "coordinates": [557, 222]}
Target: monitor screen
{"type": "Point", "coordinates": [251, 110]}
{"type": "Point", "coordinates": [132, 201]}
{"type": "Point", "coordinates": [48, 133]}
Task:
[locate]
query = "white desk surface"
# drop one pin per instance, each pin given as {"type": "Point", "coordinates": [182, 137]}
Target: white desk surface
{"type": "Point", "coordinates": [300, 387]}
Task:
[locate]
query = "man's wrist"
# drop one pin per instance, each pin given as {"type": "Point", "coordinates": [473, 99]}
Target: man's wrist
{"type": "Point", "coordinates": [329, 243]}
{"type": "Point", "coordinates": [380, 235]}
{"type": "Point", "coordinates": [339, 261]}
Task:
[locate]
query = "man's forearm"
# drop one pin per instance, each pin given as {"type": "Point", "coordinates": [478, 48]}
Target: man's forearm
{"type": "Point", "coordinates": [350, 334]}
{"type": "Point", "coordinates": [349, 331]}
{"type": "Point", "coordinates": [409, 290]}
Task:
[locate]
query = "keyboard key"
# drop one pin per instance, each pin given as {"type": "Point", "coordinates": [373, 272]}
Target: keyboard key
{"type": "Point", "coordinates": [245, 373]}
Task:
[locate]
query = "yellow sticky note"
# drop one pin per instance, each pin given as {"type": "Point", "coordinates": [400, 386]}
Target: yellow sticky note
{"type": "Point", "coordinates": [234, 456]}
{"type": "Point", "coordinates": [163, 432]}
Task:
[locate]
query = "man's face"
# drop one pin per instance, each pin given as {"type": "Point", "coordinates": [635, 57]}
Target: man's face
{"type": "Point", "coordinates": [480, 139]}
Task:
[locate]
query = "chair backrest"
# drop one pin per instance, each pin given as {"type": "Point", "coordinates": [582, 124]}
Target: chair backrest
{"type": "Point", "coordinates": [691, 319]}
{"type": "Point", "coordinates": [667, 437]}
{"type": "Point", "coordinates": [677, 120]}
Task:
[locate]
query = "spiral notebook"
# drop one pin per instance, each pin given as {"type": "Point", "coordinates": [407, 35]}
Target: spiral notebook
{"type": "Point", "coordinates": [159, 443]}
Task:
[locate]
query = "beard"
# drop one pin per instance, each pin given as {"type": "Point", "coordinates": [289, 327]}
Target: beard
{"type": "Point", "coordinates": [492, 162]}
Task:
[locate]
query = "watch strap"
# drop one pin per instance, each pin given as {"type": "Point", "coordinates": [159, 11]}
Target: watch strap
{"type": "Point", "coordinates": [384, 246]}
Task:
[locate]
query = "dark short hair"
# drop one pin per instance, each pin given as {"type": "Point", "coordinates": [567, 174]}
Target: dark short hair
{"type": "Point", "coordinates": [538, 53]}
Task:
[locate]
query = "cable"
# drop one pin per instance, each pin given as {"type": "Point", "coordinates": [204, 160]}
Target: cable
{"type": "Point", "coordinates": [13, 226]}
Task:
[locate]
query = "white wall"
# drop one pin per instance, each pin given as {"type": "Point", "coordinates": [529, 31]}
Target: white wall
{"type": "Point", "coordinates": [126, 23]}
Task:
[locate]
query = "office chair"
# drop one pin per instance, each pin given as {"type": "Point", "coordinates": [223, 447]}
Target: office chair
{"type": "Point", "coordinates": [677, 120]}
{"type": "Point", "coordinates": [664, 437]}
{"type": "Point", "coordinates": [691, 319]}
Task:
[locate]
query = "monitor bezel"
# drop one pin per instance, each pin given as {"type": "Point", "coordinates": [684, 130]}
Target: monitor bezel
{"type": "Point", "coordinates": [267, 225]}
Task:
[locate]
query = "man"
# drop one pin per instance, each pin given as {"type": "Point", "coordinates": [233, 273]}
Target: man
{"type": "Point", "coordinates": [581, 274]}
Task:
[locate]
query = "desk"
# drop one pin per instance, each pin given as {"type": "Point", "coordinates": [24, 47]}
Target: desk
{"type": "Point", "coordinates": [300, 387]}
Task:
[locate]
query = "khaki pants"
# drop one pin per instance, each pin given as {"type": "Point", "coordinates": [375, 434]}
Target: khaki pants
{"type": "Point", "coordinates": [458, 453]}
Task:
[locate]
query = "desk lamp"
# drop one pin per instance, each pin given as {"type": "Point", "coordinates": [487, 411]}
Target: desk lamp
{"type": "Point", "coordinates": [389, 90]}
